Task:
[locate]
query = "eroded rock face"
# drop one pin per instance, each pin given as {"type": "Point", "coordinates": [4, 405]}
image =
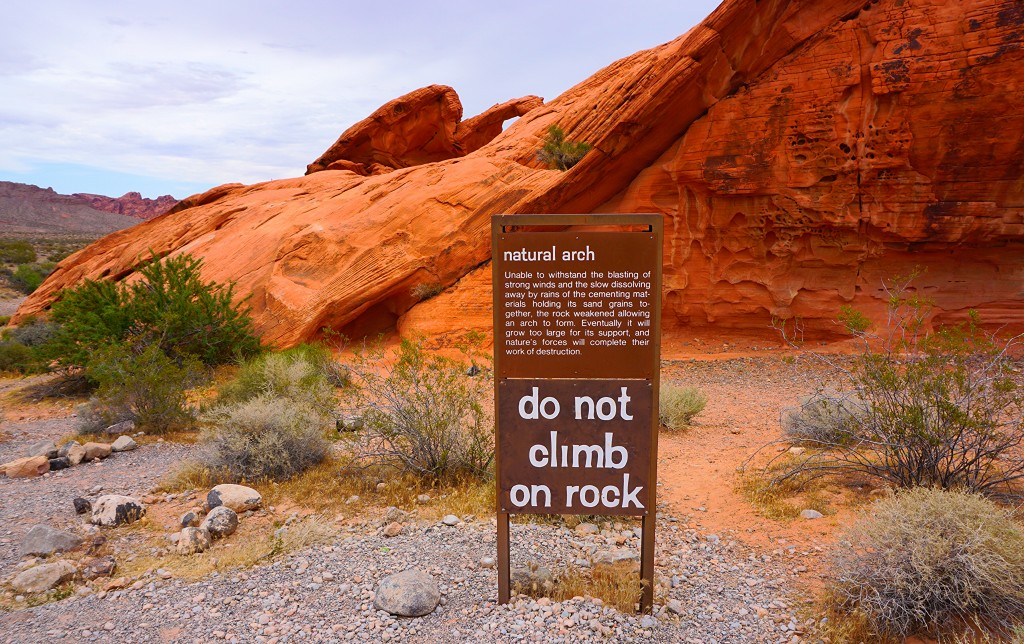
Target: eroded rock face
{"type": "Point", "coordinates": [800, 152]}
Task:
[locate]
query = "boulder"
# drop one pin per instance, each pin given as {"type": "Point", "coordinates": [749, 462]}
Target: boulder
{"type": "Point", "coordinates": [43, 577]}
{"type": "Point", "coordinates": [75, 453]}
{"type": "Point", "coordinates": [193, 540]}
{"type": "Point", "coordinates": [411, 593]}
{"type": "Point", "coordinates": [237, 497]}
{"type": "Point", "coordinates": [42, 540]}
{"type": "Point", "coordinates": [222, 521]}
{"type": "Point", "coordinates": [114, 510]}
{"type": "Point", "coordinates": [190, 519]}
{"type": "Point", "coordinates": [26, 467]}
{"type": "Point", "coordinates": [82, 505]}
{"type": "Point", "coordinates": [96, 450]}
{"type": "Point", "coordinates": [43, 448]}
{"type": "Point", "coordinates": [124, 444]}
{"type": "Point", "coordinates": [59, 463]}
{"type": "Point", "coordinates": [123, 427]}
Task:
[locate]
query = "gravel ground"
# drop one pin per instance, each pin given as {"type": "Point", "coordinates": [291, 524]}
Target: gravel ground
{"type": "Point", "coordinates": [48, 499]}
{"type": "Point", "coordinates": [725, 593]}
{"type": "Point", "coordinates": [711, 587]}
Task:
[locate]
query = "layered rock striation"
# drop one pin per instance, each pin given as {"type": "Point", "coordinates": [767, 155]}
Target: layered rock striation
{"type": "Point", "coordinates": [801, 151]}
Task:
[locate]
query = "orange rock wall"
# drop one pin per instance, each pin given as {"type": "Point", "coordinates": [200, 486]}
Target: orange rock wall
{"type": "Point", "coordinates": [800, 150]}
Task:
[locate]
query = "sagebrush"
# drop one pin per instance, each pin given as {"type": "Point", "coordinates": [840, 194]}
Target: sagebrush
{"type": "Point", "coordinates": [678, 405]}
{"type": "Point", "coordinates": [306, 374]}
{"type": "Point", "coordinates": [264, 438]}
{"type": "Point", "coordinates": [931, 561]}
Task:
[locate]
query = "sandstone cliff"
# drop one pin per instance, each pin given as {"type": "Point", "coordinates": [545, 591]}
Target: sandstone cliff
{"type": "Point", "coordinates": [132, 204]}
{"type": "Point", "coordinates": [800, 151]}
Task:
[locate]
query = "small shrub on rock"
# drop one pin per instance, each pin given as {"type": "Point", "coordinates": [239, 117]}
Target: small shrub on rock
{"type": "Point", "coordinates": [142, 385]}
{"type": "Point", "coordinates": [678, 405]}
{"type": "Point", "coordinates": [266, 437]}
{"type": "Point", "coordinates": [557, 153]}
{"type": "Point", "coordinates": [932, 561]}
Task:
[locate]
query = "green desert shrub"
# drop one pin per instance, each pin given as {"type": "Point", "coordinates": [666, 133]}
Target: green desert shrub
{"type": "Point", "coordinates": [678, 405]}
{"type": "Point", "coordinates": [26, 278]}
{"type": "Point", "coordinates": [557, 153]}
{"type": "Point", "coordinates": [17, 358]}
{"type": "Point", "coordinates": [306, 374]}
{"type": "Point", "coordinates": [16, 252]}
{"type": "Point", "coordinates": [423, 413]}
{"type": "Point", "coordinates": [929, 561]}
{"type": "Point", "coordinates": [934, 407]}
{"type": "Point", "coordinates": [170, 306]}
{"type": "Point", "coordinates": [266, 437]}
{"type": "Point", "coordinates": [143, 385]}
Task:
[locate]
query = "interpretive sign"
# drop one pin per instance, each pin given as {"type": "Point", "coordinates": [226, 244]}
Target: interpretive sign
{"type": "Point", "coordinates": [577, 355]}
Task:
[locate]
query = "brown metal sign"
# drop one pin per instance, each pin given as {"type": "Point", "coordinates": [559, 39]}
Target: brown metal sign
{"type": "Point", "coordinates": [577, 308]}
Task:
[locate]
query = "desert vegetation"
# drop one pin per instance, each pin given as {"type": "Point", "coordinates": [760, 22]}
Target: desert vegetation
{"type": "Point", "coordinates": [677, 405]}
{"type": "Point", "coordinates": [559, 153]}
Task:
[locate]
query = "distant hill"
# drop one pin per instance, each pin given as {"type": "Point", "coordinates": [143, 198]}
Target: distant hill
{"type": "Point", "coordinates": [28, 209]}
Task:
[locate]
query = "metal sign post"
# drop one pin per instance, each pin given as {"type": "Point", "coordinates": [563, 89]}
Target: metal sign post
{"type": "Point", "coordinates": [577, 330]}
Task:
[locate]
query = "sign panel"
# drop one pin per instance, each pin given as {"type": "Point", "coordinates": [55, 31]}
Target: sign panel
{"type": "Point", "coordinates": [577, 306]}
{"type": "Point", "coordinates": [575, 446]}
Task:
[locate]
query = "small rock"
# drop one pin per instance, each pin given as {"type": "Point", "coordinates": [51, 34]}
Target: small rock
{"type": "Point", "coordinates": [190, 519]}
{"type": "Point", "coordinates": [587, 528]}
{"type": "Point", "coordinates": [423, 498]}
{"type": "Point", "coordinates": [43, 448]}
{"type": "Point", "coordinates": [451, 520]}
{"type": "Point", "coordinates": [43, 540]}
{"type": "Point", "coordinates": [392, 514]}
{"type": "Point", "coordinates": [797, 451]}
{"type": "Point", "coordinates": [648, 622]}
{"type": "Point", "coordinates": [487, 562]}
{"type": "Point", "coordinates": [96, 450]}
{"type": "Point", "coordinates": [237, 497]}
{"type": "Point", "coordinates": [674, 607]}
{"type": "Point", "coordinates": [412, 593]}
{"type": "Point", "coordinates": [124, 444]}
{"type": "Point", "coordinates": [393, 529]}
{"type": "Point", "coordinates": [26, 467]}
{"type": "Point", "coordinates": [531, 578]}
{"type": "Point", "coordinates": [43, 577]}
{"type": "Point", "coordinates": [59, 463]}
{"type": "Point", "coordinates": [348, 424]}
{"type": "Point", "coordinates": [98, 567]}
{"type": "Point", "coordinates": [75, 453]}
{"type": "Point", "coordinates": [192, 540]}
{"type": "Point", "coordinates": [115, 509]}
{"type": "Point", "coordinates": [82, 505]}
{"type": "Point", "coordinates": [473, 371]}
{"type": "Point", "coordinates": [810, 514]}
{"type": "Point", "coordinates": [123, 427]}
{"type": "Point", "coordinates": [612, 557]}
{"type": "Point", "coordinates": [66, 448]}
{"type": "Point", "coordinates": [222, 521]}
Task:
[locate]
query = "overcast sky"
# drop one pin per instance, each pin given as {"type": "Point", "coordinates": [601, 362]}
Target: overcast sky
{"type": "Point", "coordinates": [176, 97]}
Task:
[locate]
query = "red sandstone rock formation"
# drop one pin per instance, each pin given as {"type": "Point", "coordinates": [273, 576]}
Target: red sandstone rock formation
{"type": "Point", "coordinates": [132, 204]}
{"type": "Point", "coordinates": [421, 127]}
{"type": "Point", "coordinates": [799, 150]}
